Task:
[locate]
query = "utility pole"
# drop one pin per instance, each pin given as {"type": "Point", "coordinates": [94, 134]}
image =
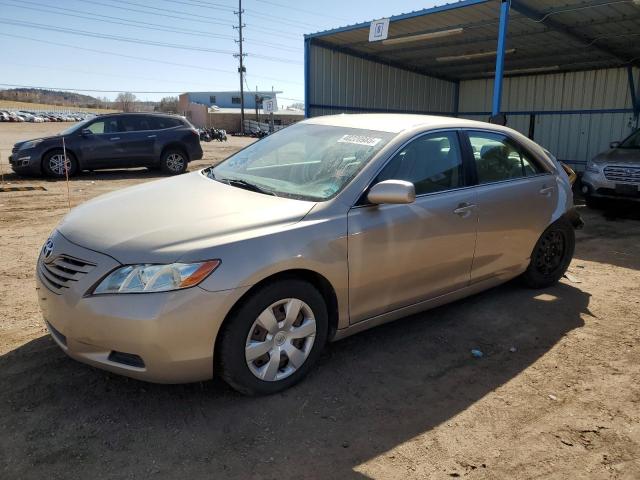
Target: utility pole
{"type": "Point", "coordinates": [241, 69]}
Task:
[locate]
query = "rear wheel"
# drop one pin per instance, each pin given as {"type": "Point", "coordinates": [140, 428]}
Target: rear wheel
{"type": "Point", "coordinates": [173, 161]}
{"type": "Point", "coordinates": [53, 164]}
{"type": "Point", "coordinates": [551, 255]}
{"type": "Point", "coordinates": [273, 339]}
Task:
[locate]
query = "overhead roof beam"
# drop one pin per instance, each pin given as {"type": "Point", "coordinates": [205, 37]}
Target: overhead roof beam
{"type": "Point", "coordinates": [545, 18]}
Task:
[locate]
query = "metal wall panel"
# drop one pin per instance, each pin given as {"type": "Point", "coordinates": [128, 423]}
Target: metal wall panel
{"type": "Point", "coordinates": [344, 83]}
{"type": "Point", "coordinates": [592, 100]}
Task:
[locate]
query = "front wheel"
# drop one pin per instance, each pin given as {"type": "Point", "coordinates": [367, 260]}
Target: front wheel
{"type": "Point", "coordinates": [173, 162]}
{"type": "Point", "coordinates": [273, 339]}
{"type": "Point", "coordinates": [551, 256]}
{"type": "Point", "coordinates": [54, 164]}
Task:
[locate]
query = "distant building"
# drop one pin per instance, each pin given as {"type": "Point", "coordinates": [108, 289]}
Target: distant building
{"type": "Point", "coordinates": [224, 99]}
{"type": "Point", "coordinates": [222, 109]}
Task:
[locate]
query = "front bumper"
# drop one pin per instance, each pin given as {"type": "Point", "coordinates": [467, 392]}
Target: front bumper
{"type": "Point", "coordinates": [169, 335]}
{"type": "Point", "coordinates": [598, 186]}
{"type": "Point", "coordinates": [25, 161]}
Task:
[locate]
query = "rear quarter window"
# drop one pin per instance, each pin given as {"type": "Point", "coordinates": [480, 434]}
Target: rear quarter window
{"type": "Point", "coordinates": [161, 123]}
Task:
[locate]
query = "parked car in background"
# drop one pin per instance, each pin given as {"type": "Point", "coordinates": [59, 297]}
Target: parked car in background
{"type": "Point", "coordinates": [321, 230]}
{"type": "Point", "coordinates": [614, 174]}
{"type": "Point", "coordinates": [166, 142]}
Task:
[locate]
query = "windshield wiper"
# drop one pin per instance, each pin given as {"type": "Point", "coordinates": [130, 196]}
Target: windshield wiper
{"type": "Point", "coordinates": [236, 182]}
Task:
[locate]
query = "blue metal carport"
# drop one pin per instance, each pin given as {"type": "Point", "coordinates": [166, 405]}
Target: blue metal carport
{"type": "Point", "coordinates": [564, 73]}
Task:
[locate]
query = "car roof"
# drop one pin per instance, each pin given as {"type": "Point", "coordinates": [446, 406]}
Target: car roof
{"type": "Point", "coordinates": [396, 122]}
{"type": "Point", "coordinates": [157, 114]}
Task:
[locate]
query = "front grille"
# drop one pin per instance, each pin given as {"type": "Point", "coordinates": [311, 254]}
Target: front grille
{"type": "Point", "coordinates": [62, 272]}
{"type": "Point", "coordinates": [14, 150]}
{"type": "Point", "coordinates": [622, 174]}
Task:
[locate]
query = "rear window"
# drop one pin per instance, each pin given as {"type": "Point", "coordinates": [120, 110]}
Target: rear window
{"type": "Point", "coordinates": [165, 122]}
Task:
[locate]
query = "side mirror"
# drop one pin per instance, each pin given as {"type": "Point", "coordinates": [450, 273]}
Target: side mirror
{"type": "Point", "coordinates": [392, 191]}
{"type": "Point", "coordinates": [614, 144]}
{"type": "Point", "coordinates": [85, 132]}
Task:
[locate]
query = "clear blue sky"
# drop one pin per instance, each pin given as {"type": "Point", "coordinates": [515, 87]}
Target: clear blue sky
{"type": "Point", "coordinates": [34, 55]}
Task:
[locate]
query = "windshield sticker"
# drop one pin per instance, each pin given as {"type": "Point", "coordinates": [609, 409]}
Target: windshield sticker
{"type": "Point", "coordinates": [360, 140]}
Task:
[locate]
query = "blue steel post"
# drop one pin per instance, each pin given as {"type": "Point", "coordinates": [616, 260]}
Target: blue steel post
{"type": "Point", "coordinates": [502, 39]}
{"type": "Point", "coordinates": [307, 59]}
{"type": "Point", "coordinates": [635, 100]}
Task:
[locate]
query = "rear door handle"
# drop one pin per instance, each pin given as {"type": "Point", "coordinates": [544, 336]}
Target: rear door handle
{"type": "Point", "coordinates": [546, 190]}
{"type": "Point", "coordinates": [114, 138]}
{"type": "Point", "coordinates": [464, 209]}
{"type": "Point", "coordinates": [151, 136]}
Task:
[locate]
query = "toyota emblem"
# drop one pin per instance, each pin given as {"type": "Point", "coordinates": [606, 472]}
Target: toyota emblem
{"type": "Point", "coordinates": [47, 250]}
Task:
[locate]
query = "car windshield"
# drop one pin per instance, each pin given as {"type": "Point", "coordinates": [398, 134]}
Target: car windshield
{"type": "Point", "coordinates": [75, 128]}
{"type": "Point", "coordinates": [303, 161]}
{"type": "Point", "coordinates": [632, 141]}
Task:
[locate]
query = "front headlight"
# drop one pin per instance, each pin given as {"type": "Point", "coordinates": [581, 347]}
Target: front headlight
{"type": "Point", "coordinates": [30, 144]}
{"type": "Point", "coordinates": [592, 167]}
{"type": "Point", "coordinates": [147, 278]}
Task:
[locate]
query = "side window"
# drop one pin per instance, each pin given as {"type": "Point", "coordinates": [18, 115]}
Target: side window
{"type": "Point", "coordinates": [135, 124]}
{"type": "Point", "coordinates": [109, 125]}
{"type": "Point", "coordinates": [431, 162]}
{"type": "Point", "coordinates": [498, 158]}
{"type": "Point", "coordinates": [160, 123]}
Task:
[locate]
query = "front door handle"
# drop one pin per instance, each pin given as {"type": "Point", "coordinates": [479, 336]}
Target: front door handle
{"type": "Point", "coordinates": [151, 136]}
{"type": "Point", "coordinates": [464, 209]}
{"type": "Point", "coordinates": [546, 190]}
{"type": "Point", "coordinates": [114, 138]}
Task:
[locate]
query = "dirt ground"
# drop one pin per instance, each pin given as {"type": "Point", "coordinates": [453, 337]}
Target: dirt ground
{"type": "Point", "coordinates": [556, 395]}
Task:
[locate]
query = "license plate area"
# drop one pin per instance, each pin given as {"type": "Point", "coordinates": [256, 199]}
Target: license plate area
{"type": "Point", "coordinates": [624, 189]}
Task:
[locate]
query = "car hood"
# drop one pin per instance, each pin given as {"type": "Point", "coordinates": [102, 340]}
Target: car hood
{"type": "Point", "coordinates": [161, 221]}
{"type": "Point", "coordinates": [42, 139]}
{"type": "Point", "coordinates": [619, 155]}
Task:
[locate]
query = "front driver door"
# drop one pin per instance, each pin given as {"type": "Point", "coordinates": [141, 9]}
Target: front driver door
{"type": "Point", "coordinates": [100, 148]}
{"type": "Point", "coordinates": [400, 255]}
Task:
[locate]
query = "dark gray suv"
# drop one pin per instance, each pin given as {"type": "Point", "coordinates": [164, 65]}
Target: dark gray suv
{"type": "Point", "coordinates": [153, 140]}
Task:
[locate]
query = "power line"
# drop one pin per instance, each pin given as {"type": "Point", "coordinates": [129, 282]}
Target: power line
{"type": "Point", "coordinates": [118, 38]}
{"type": "Point", "coordinates": [199, 4]}
{"type": "Point", "coordinates": [146, 25]}
{"type": "Point", "coordinates": [289, 7]}
{"type": "Point", "coordinates": [137, 40]}
{"type": "Point", "coordinates": [131, 23]}
{"type": "Point", "coordinates": [159, 9]}
{"type": "Point", "coordinates": [81, 89]}
{"type": "Point", "coordinates": [101, 74]}
{"type": "Point", "coordinates": [68, 12]}
{"type": "Point", "coordinates": [132, 57]}
{"type": "Point", "coordinates": [189, 19]}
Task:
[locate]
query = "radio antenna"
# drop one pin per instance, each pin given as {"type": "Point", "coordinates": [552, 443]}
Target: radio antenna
{"type": "Point", "coordinates": [66, 172]}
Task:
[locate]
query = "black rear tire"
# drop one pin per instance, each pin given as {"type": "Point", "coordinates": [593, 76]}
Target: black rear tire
{"type": "Point", "coordinates": [551, 256]}
{"type": "Point", "coordinates": [53, 166]}
{"type": "Point", "coordinates": [232, 341]}
{"type": "Point", "coordinates": [173, 161]}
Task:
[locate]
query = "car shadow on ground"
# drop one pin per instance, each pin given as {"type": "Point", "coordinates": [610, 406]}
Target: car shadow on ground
{"type": "Point", "coordinates": [611, 234]}
{"type": "Point", "coordinates": [370, 393]}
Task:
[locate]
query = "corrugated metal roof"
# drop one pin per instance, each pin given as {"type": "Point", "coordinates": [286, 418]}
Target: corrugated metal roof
{"type": "Point", "coordinates": [567, 35]}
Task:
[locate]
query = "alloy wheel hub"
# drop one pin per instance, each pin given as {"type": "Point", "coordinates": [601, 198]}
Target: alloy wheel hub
{"type": "Point", "coordinates": [280, 339]}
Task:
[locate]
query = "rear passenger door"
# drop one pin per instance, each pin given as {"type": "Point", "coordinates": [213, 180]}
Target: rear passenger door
{"type": "Point", "coordinates": [136, 140]}
{"type": "Point", "coordinates": [516, 198]}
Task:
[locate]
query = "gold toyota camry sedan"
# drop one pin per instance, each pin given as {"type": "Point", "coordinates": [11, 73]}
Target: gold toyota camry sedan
{"type": "Point", "coordinates": [326, 228]}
